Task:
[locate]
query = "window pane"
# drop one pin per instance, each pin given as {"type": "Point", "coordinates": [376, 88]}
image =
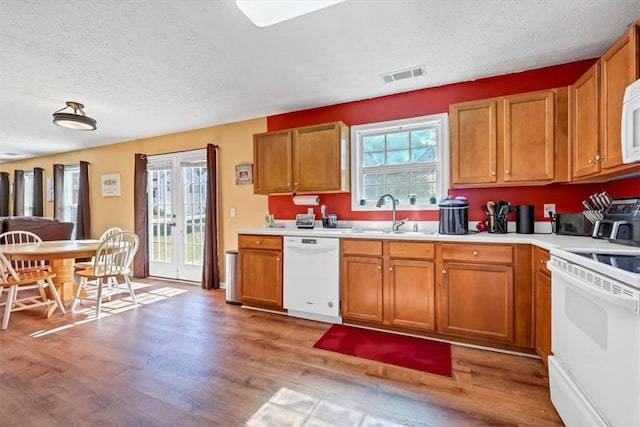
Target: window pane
{"type": "Point", "coordinates": [373, 178]}
{"type": "Point", "coordinates": [397, 141]}
{"type": "Point", "coordinates": [423, 155]}
{"type": "Point", "coordinates": [399, 157]}
{"type": "Point", "coordinates": [373, 159]}
{"type": "Point", "coordinates": [373, 192]}
{"type": "Point", "coordinates": [423, 138]}
{"type": "Point", "coordinates": [373, 143]}
{"type": "Point", "coordinates": [397, 177]}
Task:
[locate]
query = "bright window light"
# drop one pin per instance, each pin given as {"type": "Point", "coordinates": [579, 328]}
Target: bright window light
{"type": "Point", "coordinates": [268, 12]}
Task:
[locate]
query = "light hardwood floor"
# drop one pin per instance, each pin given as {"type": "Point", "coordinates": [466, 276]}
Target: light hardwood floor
{"type": "Point", "coordinates": [192, 359]}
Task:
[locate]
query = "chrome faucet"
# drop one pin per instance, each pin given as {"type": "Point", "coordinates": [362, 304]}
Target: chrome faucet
{"type": "Point", "coordinates": [394, 204]}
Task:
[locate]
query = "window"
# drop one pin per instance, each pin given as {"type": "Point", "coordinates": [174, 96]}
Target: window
{"type": "Point", "coordinates": [401, 157]}
{"type": "Point", "coordinates": [70, 196]}
{"type": "Point", "coordinates": [28, 193]}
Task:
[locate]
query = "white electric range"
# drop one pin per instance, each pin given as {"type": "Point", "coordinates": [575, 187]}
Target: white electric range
{"type": "Point", "coordinates": [594, 373]}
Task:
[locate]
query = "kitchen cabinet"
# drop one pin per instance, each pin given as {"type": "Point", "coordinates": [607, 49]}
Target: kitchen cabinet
{"type": "Point", "coordinates": [596, 111]}
{"type": "Point", "coordinates": [260, 270]}
{"type": "Point", "coordinates": [411, 296]}
{"type": "Point", "coordinates": [542, 289]}
{"type": "Point", "coordinates": [302, 160]}
{"type": "Point", "coordinates": [389, 283]}
{"type": "Point", "coordinates": [483, 293]}
{"type": "Point", "coordinates": [362, 280]}
{"type": "Point", "coordinates": [514, 140]}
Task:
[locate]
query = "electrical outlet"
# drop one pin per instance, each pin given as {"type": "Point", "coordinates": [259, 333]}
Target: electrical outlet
{"type": "Point", "coordinates": [549, 210]}
{"type": "Point", "coordinates": [233, 212]}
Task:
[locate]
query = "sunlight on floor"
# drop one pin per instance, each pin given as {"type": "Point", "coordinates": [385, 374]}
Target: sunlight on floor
{"type": "Point", "coordinates": [289, 408]}
{"type": "Point", "coordinates": [110, 308]}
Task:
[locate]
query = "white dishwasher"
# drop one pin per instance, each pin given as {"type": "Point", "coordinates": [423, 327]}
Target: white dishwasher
{"type": "Point", "coordinates": [312, 278]}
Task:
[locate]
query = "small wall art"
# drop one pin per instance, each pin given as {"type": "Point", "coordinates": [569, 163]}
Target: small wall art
{"type": "Point", "coordinates": [244, 174]}
{"type": "Point", "coordinates": [110, 185]}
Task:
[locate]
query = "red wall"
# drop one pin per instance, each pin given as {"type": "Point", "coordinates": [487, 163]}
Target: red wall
{"type": "Point", "coordinates": [436, 100]}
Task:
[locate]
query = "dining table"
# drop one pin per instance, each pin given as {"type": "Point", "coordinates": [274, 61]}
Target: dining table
{"type": "Point", "coordinates": [60, 255]}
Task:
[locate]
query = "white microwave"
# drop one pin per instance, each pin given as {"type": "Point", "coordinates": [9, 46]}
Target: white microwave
{"type": "Point", "coordinates": [631, 123]}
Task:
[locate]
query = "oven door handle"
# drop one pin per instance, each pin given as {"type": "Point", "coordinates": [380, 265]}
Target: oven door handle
{"type": "Point", "coordinates": [625, 302]}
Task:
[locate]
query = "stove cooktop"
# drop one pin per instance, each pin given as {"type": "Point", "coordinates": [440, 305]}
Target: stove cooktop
{"type": "Point", "coordinates": [630, 263]}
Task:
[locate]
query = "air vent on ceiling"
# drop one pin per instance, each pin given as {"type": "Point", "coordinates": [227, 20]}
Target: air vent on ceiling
{"type": "Point", "coordinates": [394, 76]}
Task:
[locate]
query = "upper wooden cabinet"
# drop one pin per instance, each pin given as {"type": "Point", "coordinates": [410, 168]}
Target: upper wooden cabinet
{"type": "Point", "coordinates": [302, 160]}
{"type": "Point", "coordinates": [596, 110]}
{"type": "Point", "coordinates": [514, 140]}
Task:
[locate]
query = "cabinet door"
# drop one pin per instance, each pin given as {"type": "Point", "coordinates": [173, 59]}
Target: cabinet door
{"type": "Point", "coordinates": [543, 315]}
{"type": "Point", "coordinates": [272, 153]}
{"type": "Point", "coordinates": [411, 294]}
{"type": "Point", "coordinates": [260, 275]}
{"type": "Point", "coordinates": [477, 301]}
{"type": "Point", "coordinates": [362, 289]}
{"type": "Point", "coordinates": [473, 143]}
{"type": "Point", "coordinates": [583, 99]}
{"type": "Point", "coordinates": [529, 135]}
{"type": "Point", "coordinates": [319, 158]}
{"type": "Point", "coordinates": [619, 68]}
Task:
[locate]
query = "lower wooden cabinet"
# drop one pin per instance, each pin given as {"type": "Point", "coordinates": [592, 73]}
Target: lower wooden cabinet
{"type": "Point", "coordinates": [388, 283]}
{"type": "Point", "coordinates": [260, 270]}
{"type": "Point", "coordinates": [362, 288]}
{"type": "Point", "coordinates": [411, 299]}
{"type": "Point", "coordinates": [477, 301]}
{"type": "Point", "coordinates": [485, 294]}
{"type": "Point", "coordinates": [542, 289]}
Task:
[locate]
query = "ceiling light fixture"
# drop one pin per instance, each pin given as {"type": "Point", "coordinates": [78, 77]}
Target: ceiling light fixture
{"type": "Point", "coordinates": [76, 120]}
{"type": "Point", "coordinates": [268, 12]}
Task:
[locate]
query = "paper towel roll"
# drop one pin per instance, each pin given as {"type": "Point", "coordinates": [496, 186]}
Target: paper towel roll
{"type": "Point", "coordinates": [307, 200]}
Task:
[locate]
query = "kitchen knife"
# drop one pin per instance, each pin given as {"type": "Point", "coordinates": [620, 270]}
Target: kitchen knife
{"type": "Point", "coordinates": [587, 205]}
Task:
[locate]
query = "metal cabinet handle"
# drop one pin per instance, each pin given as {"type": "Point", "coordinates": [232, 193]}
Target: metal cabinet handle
{"type": "Point", "coordinates": [598, 157]}
{"type": "Point", "coordinates": [591, 161]}
{"type": "Point", "coordinates": [475, 253]}
{"type": "Point", "coordinates": [444, 271]}
{"type": "Point", "coordinates": [493, 173]}
{"type": "Point", "coordinates": [258, 242]}
{"type": "Point", "coordinates": [379, 267]}
{"type": "Point", "coordinates": [390, 268]}
{"type": "Point", "coordinates": [507, 172]}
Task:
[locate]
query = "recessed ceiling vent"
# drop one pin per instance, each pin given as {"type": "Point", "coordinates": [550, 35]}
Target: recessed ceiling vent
{"type": "Point", "coordinates": [409, 73]}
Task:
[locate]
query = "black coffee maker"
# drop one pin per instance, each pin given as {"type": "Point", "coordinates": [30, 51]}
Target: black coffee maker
{"type": "Point", "coordinates": [454, 216]}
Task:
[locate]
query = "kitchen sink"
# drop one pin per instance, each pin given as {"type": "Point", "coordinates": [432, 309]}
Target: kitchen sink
{"type": "Point", "coordinates": [377, 231]}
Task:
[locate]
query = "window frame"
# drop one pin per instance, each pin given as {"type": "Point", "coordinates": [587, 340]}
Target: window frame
{"type": "Point", "coordinates": [28, 200]}
{"type": "Point", "coordinates": [67, 197]}
{"type": "Point", "coordinates": [442, 159]}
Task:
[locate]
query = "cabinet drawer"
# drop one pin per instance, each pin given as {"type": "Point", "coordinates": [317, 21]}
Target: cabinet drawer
{"type": "Point", "coordinates": [362, 247]}
{"type": "Point", "coordinates": [248, 241]}
{"type": "Point", "coordinates": [478, 253]}
{"type": "Point", "coordinates": [411, 250]}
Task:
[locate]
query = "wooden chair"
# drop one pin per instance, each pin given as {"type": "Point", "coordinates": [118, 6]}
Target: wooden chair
{"type": "Point", "coordinates": [83, 265]}
{"type": "Point", "coordinates": [23, 238]}
{"type": "Point", "coordinates": [113, 259]}
{"type": "Point", "coordinates": [30, 281]}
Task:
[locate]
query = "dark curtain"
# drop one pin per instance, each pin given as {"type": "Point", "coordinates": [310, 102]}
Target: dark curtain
{"type": "Point", "coordinates": [38, 192]}
{"type": "Point", "coordinates": [18, 192]}
{"type": "Point", "coordinates": [210, 268]}
{"type": "Point", "coordinates": [58, 191]}
{"type": "Point", "coordinates": [83, 224]}
{"type": "Point", "coordinates": [4, 193]}
{"type": "Point", "coordinates": [140, 217]}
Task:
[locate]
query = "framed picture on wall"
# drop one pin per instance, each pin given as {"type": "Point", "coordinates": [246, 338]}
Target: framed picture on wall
{"type": "Point", "coordinates": [244, 174]}
{"type": "Point", "coordinates": [110, 185]}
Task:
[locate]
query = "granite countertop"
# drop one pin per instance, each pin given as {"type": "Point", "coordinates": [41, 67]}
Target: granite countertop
{"type": "Point", "coordinates": [543, 240]}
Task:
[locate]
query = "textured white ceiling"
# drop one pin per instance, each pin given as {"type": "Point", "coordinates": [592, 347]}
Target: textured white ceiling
{"type": "Point", "coordinates": [146, 67]}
